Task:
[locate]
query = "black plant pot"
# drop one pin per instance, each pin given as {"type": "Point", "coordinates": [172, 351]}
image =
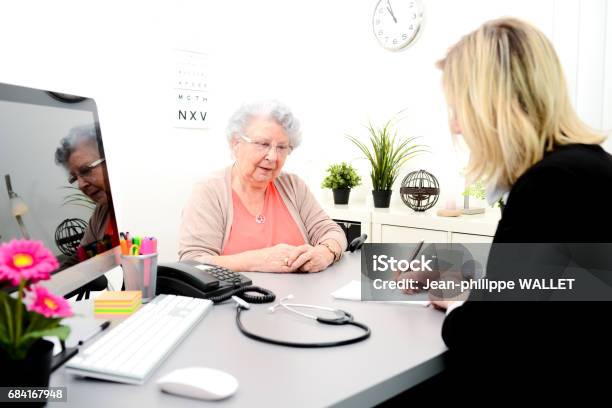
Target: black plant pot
{"type": "Point", "coordinates": [33, 371]}
{"type": "Point", "coordinates": [382, 198]}
{"type": "Point", "coordinates": [341, 195]}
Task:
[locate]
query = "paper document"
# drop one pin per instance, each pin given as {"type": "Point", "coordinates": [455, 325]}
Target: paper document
{"type": "Point", "coordinates": [352, 291]}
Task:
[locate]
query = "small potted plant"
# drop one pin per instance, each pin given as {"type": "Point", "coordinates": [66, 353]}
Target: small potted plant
{"type": "Point", "coordinates": [387, 154]}
{"type": "Point", "coordinates": [341, 178]}
{"type": "Point", "coordinates": [25, 357]}
{"type": "Point", "coordinates": [478, 191]}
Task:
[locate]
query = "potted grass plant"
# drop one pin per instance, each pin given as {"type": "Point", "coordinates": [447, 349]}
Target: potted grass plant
{"type": "Point", "coordinates": [341, 178]}
{"type": "Point", "coordinates": [387, 153]}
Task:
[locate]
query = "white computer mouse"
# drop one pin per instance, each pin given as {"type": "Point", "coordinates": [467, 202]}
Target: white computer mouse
{"type": "Point", "coordinates": [199, 382]}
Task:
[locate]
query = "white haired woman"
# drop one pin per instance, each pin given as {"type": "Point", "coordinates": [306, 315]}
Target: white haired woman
{"type": "Point", "coordinates": [252, 216]}
{"type": "Point", "coordinates": [79, 154]}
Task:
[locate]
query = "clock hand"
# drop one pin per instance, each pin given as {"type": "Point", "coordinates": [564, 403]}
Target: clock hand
{"type": "Point", "coordinates": [390, 10]}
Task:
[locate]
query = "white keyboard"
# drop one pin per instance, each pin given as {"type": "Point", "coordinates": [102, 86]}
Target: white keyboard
{"type": "Point", "coordinates": [131, 351]}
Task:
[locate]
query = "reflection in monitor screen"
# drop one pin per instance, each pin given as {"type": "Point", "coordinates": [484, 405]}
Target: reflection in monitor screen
{"type": "Point", "coordinates": [56, 185]}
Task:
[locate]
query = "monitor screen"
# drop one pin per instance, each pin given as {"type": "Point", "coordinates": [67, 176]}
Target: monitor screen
{"type": "Point", "coordinates": [54, 184]}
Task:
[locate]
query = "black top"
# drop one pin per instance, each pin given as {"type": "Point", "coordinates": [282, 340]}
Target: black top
{"type": "Point", "coordinates": [510, 346]}
{"type": "Point", "coordinates": [566, 197]}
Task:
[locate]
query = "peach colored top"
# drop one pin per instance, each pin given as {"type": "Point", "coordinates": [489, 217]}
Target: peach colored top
{"type": "Point", "coordinates": [273, 226]}
{"type": "Point", "coordinates": [209, 213]}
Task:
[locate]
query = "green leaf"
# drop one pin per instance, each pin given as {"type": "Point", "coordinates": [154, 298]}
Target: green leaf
{"type": "Point", "coordinates": [37, 322]}
{"type": "Point", "coordinates": [4, 336]}
{"type": "Point", "coordinates": [341, 175]}
{"type": "Point", "coordinates": [8, 306]}
{"type": "Point", "coordinates": [388, 153]}
{"type": "Point", "coordinates": [476, 190]}
{"type": "Point", "coordinates": [60, 332]}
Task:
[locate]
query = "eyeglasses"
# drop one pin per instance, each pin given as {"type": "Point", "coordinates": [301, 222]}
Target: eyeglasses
{"type": "Point", "coordinates": [282, 150]}
{"type": "Point", "coordinates": [85, 171]}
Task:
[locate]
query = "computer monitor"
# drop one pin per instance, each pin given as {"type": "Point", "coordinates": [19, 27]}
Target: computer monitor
{"type": "Point", "coordinates": [54, 184]}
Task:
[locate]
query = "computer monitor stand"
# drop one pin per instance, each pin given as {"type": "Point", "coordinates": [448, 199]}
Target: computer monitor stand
{"type": "Point", "coordinates": [66, 354]}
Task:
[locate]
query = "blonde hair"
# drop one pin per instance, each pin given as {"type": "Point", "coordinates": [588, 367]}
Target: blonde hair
{"type": "Point", "coordinates": [505, 88]}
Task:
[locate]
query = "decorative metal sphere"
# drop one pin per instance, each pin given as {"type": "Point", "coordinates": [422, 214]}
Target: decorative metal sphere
{"type": "Point", "coordinates": [68, 235]}
{"type": "Point", "coordinates": [420, 190]}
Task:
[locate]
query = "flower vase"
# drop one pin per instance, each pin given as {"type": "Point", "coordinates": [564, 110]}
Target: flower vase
{"type": "Point", "coordinates": [32, 371]}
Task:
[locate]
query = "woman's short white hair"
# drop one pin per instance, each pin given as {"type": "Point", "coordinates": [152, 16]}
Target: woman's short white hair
{"type": "Point", "coordinates": [273, 110]}
{"type": "Point", "coordinates": [76, 135]}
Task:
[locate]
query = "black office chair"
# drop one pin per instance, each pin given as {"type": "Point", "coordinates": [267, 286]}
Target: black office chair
{"type": "Point", "coordinates": [357, 243]}
{"type": "Point", "coordinates": [96, 285]}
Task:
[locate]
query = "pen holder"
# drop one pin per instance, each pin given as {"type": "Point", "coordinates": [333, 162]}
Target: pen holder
{"type": "Point", "coordinates": [140, 273]}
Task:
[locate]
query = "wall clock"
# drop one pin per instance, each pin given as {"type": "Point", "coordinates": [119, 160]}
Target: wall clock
{"type": "Point", "coordinates": [397, 23]}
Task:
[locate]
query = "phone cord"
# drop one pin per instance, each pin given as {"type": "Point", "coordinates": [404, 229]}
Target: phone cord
{"type": "Point", "coordinates": [243, 292]}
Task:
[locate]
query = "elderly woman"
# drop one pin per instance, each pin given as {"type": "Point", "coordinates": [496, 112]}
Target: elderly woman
{"type": "Point", "coordinates": [253, 217]}
{"type": "Point", "coordinates": [80, 156]}
{"type": "Point", "coordinates": [507, 96]}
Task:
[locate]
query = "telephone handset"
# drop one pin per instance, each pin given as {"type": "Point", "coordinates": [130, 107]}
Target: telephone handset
{"type": "Point", "coordinates": [195, 279]}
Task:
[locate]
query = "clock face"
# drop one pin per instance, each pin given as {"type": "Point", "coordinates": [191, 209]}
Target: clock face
{"type": "Point", "coordinates": [396, 23]}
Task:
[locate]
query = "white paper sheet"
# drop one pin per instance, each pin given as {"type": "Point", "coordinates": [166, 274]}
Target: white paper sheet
{"type": "Point", "coordinates": [352, 291]}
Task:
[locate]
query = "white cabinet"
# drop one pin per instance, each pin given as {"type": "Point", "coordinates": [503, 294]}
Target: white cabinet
{"type": "Point", "coordinates": [400, 224]}
{"type": "Point", "coordinates": [395, 234]}
{"type": "Point", "coordinates": [457, 237]}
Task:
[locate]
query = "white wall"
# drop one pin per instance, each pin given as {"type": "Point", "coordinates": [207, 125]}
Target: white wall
{"type": "Point", "coordinates": [582, 34]}
{"type": "Point", "coordinates": [318, 56]}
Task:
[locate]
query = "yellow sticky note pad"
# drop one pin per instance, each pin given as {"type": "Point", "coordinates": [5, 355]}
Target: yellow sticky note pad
{"type": "Point", "coordinates": [117, 304]}
{"type": "Point", "coordinates": [119, 296]}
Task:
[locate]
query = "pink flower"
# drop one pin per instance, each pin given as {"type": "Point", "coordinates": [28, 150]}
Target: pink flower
{"type": "Point", "coordinates": [48, 304]}
{"type": "Point", "coordinates": [24, 259]}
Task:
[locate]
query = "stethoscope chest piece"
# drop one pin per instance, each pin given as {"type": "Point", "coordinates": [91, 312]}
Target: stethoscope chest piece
{"type": "Point", "coordinates": [341, 318]}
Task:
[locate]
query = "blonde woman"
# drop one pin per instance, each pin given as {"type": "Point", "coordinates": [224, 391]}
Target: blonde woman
{"type": "Point", "coordinates": [507, 97]}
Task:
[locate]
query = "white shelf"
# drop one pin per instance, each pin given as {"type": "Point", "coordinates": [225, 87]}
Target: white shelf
{"type": "Point", "coordinates": [348, 212]}
{"type": "Point", "coordinates": [479, 224]}
{"type": "Point", "coordinates": [401, 224]}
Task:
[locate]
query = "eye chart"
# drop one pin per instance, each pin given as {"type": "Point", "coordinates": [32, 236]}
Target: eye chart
{"type": "Point", "coordinates": [191, 89]}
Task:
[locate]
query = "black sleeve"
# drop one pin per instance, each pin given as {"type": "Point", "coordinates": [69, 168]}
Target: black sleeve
{"type": "Point", "coordinates": [549, 347]}
{"type": "Point", "coordinates": [531, 215]}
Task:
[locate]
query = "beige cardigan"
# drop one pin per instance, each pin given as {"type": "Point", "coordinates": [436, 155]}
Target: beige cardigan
{"type": "Point", "coordinates": [208, 215]}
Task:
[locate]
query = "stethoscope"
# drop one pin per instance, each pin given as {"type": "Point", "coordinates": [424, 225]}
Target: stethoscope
{"type": "Point", "coordinates": [342, 318]}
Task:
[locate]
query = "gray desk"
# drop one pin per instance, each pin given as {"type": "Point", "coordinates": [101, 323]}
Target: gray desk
{"type": "Point", "coordinates": [405, 348]}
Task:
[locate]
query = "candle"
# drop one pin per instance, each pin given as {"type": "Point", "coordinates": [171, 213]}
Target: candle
{"type": "Point", "coordinates": [451, 205]}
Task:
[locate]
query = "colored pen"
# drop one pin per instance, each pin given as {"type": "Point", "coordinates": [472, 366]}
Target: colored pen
{"type": "Point", "coordinates": [153, 245]}
{"type": "Point", "coordinates": [146, 247]}
{"type": "Point", "coordinates": [124, 247]}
